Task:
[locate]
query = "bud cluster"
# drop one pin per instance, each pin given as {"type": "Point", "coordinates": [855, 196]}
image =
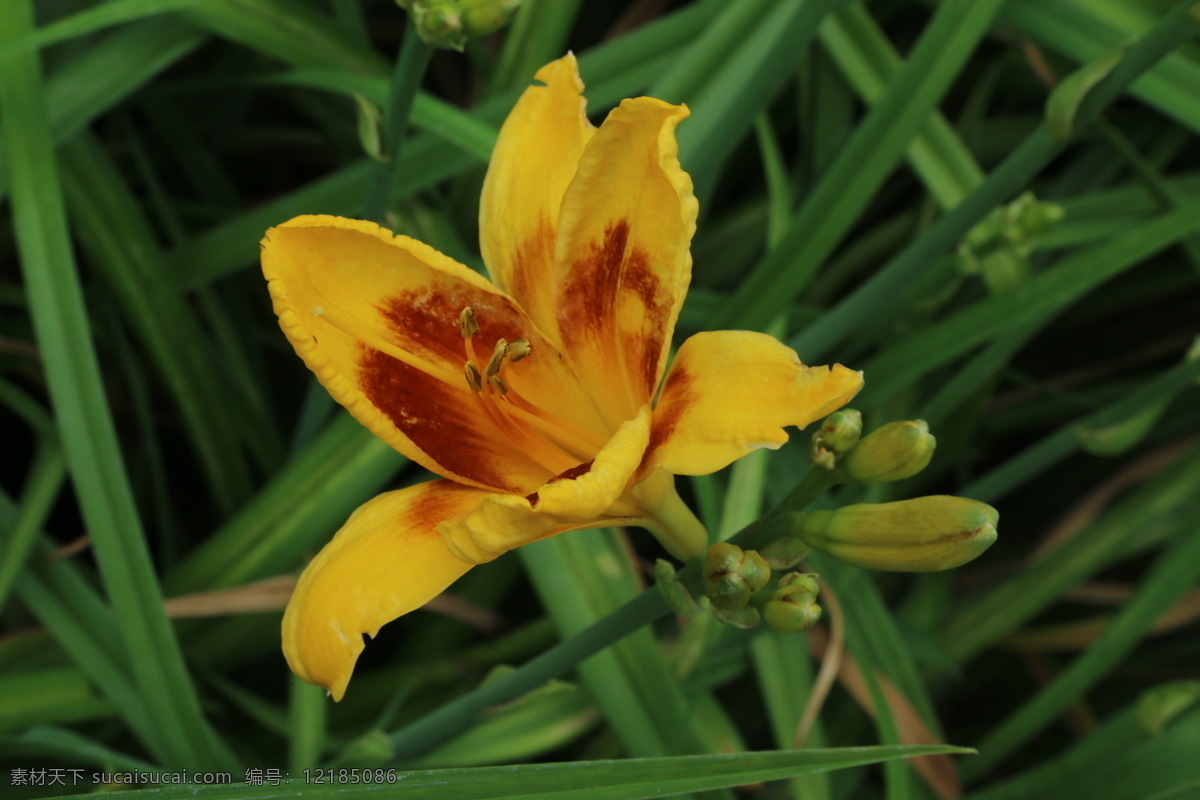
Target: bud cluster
{"type": "Point", "coordinates": [448, 23]}
{"type": "Point", "coordinates": [1000, 246]}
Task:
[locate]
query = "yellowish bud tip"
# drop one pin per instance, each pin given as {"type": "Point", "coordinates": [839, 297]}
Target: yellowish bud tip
{"type": "Point", "coordinates": [926, 534]}
{"type": "Point", "coordinates": [896, 451]}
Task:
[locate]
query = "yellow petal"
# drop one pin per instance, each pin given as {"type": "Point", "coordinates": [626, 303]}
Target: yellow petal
{"type": "Point", "coordinates": [375, 316]}
{"type": "Point", "coordinates": [534, 159]}
{"type": "Point", "coordinates": [385, 561]}
{"type": "Point", "coordinates": [584, 497]}
{"type": "Point", "coordinates": [730, 392]}
{"type": "Point", "coordinates": [622, 260]}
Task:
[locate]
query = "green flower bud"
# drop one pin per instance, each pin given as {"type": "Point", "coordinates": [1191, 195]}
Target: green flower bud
{"type": "Point", "coordinates": [792, 607]}
{"type": "Point", "coordinates": [896, 451]}
{"type": "Point", "coordinates": [481, 17]}
{"type": "Point", "coordinates": [439, 23]}
{"type": "Point", "coordinates": [926, 534]}
{"type": "Point", "coordinates": [732, 575]}
{"type": "Point", "coordinates": [838, 433]}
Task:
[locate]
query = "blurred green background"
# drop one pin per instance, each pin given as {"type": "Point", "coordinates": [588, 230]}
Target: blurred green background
{"type": "Point", "coordinates": [992, 207]}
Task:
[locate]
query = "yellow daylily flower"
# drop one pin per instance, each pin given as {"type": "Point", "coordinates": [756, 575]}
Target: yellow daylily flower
{"type": "Point", "coordinates": [532, 394]}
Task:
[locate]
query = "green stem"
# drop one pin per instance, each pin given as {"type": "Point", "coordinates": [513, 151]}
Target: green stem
{"type": "Point", "coordinates": [1038, 150]}
{"type": "Point", "coordinates": [406, 79]}
{"type": "Point", "coordinates": [458, 714]}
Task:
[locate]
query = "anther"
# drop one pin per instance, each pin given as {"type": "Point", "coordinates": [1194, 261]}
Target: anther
{"type": "Point", "coordinates": [497, 359]}
{"type": "Point", "coordinates": [467, 323]}
{"type": "Point", "coordinates": [474, 379]}
{"type": "Point", "coordinates": [497, 383]}
{"type": "Point", "coordinates": [518, 349]}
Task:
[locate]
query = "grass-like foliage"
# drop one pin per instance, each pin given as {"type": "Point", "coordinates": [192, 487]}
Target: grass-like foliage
{"type": "Point", "coordinates": [991, 207]}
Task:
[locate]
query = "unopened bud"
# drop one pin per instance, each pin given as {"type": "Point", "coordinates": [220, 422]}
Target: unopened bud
{"type": "Point", "coordinates": [896, 451]}
{"type": "Point", "coordinates": [481, 17]}
{"type": "Point", "coordinates": [838, 434]}
{"type": "Point", "coordinates": [792, 606]}
{"type": "Point", "coordinates": [439, 23]}
{"type": "Point", "coordinates": [926, 534]}
{"type": "Point", "coordinates": [733, 575]}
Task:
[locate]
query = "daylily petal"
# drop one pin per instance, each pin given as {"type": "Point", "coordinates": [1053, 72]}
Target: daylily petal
{"type": "Point", "coordinates": [584, 497]}
{"type": "Point", "coordinates": [622, 260]}
{"type": "Point", "coordinates": [730, 392]}
{"type": "Point", "coordinates": [385, 561]}
{"type": "Point", "coordinates": [534, 159]}
{"type": "Point", "coordinates": [375, 316]}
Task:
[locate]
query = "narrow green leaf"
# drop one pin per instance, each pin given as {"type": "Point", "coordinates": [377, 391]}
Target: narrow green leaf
{"type": "Point", "coordinates": [537, 35]}
{"type": "Point", "coordinates": [862, 165]}
{"type": "Point", "coordinates": [86, 429]}
{"type": "Point", "coordinates": [84, 87]}
{"type": "Point", "coordinates": [1064, 101]}
{"type": "Point", "coordinates": [873, 300]}
{"type": "Point", "coordinates": [1174, 573]}
{"type": "Point", "coordinates": [1035, 301]}
{"type": "Point", "coordinates": [1003, 608]}
{"type": "Point", "coordinates": [626, 779]}
{"type": "Point", "coordinates": [298, 511]}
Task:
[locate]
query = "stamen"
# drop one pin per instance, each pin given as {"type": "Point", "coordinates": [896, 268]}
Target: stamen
{"type": "Point", "coordinates": [474, 379]}
{"type": "Point", "coordinates": [518, 349]}
{"type": "Point", "coordinates": [467, 322]}
{"type": "Point", "coordinates": [497, 359]}
{"type": "Point", "coordinates": [551, 441]}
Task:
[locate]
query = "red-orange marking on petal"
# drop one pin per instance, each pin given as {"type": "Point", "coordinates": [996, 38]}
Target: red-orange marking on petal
{"type": "Point", "coordinates": [436, 417]}
{"type": "Point", "coordinates": [640, 279]}
{"type": "Point", "coordinates": [566, 475]}
{"type": "Point", "coordinates": [595, 280]}
{"type": "Point", "coordinates": [432, 507]}
{"type": "Point", "coordinates": [429, 321]}
{"type": "Point", "coordinates": [667, 416]}
{"type": "Point", "coordinates": [532, 260]}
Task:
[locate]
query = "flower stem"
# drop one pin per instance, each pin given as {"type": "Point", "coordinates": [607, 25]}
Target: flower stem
{"type": "Point", "coordinates": [460, 713]}
{"type": "Point", "coordinates": [406, 79]}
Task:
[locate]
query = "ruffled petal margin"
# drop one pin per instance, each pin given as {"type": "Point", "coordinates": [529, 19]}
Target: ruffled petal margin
{"type": "Point", "coordinates": [534, 160]}
{"type": "Point", "coordinates": [623, 260]}
{"type": "Point", "coordinates": [375, 317]}
{"type": "Point", "coordinates": [731, 392]}
{"type": "Point", "coordinates": [386, 561]}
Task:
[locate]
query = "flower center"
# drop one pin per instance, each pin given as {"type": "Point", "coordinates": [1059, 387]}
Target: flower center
{"type": "Point", "coordinates": [556, 443]}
